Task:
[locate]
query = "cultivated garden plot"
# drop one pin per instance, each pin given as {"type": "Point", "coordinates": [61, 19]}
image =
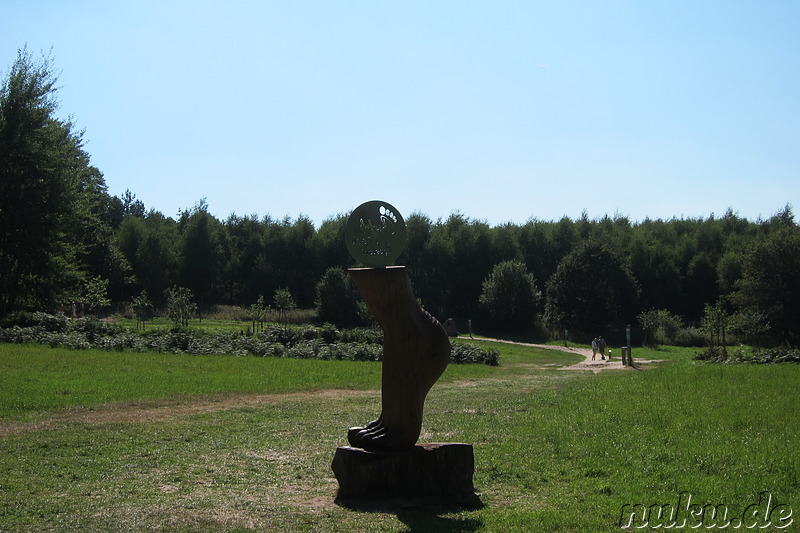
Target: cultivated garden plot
{"type": "Point", "coordinates": [208, 443]}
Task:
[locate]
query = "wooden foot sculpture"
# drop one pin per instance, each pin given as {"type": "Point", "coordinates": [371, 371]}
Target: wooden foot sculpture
{"type": "Point", "coordinates": [416, 351]}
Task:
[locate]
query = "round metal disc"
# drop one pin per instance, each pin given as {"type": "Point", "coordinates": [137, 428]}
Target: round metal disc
{"type": "Point", "coordinates": [375, 234]}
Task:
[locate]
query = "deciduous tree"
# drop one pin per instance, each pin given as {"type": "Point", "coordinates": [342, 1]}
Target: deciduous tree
{"type": "Point", "coordinates": [510, 296]}
{"type": "Point", "coordinates": [142, 309]}
{"type": "Point", "coordinates": [592, 292]}
{"type": "Point", "coordinates": [770, 282]}
{"type": "Point", "coordinates": [180, 305]}
{"type": "Point", "coordinates": [337, 298]}
{"type": "Point", "coordinates": [284, 302]}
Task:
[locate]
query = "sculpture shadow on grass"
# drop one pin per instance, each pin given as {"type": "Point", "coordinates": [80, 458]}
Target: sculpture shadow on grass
{"type": "Point", "coordinates": [420, 517]}
{"type": "Point", "coordinates": [427, 523]}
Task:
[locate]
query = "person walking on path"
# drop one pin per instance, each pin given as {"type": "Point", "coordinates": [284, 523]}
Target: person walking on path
{"type": "Point", "coordinates": [595, 346]}
{"type": "Point", "coordinates": [601, 346]}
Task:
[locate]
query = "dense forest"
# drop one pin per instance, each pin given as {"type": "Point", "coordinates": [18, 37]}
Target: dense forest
{"type": "Point", "coordinates": [65, 239]}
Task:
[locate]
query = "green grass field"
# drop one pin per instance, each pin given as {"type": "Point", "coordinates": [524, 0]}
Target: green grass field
{"type": "Point", "coordinates": [207, 325]}
{"type": "Point", "coordinates": [96, 441]}
{"type": "Point", "coordinates": [229, 320]}
{"type": "Point", "coordinates": [36, 378]}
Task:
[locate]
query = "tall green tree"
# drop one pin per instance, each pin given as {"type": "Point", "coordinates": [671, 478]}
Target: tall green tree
{"type": "Point", "coordinates": [242, 259]}
{"type": "Point", "coordinates": [770, 283]}
{"type": "Point", "coordinates": [459, 262]}
{"type": "Point", "coordinates": [200, 254]}
{"type": "Point", "coordinates": [337, 298]}
{"type": "Point", "coordinates": [416, 257]}
{"type": "Point", "coordinates": [298, 270]}
{"type": "Point", "coordinates": [47, 191]}
{"type": "Point", "coordinates": [655, 264]}
{"type": "Point", "coordinates": [149, 246]}
{"type": "Point", "coordinates": [328, 244]}
{"type": "Point", "coordinates": [592, 292]}
{"type": "Point", "coordinates": [510, 295]}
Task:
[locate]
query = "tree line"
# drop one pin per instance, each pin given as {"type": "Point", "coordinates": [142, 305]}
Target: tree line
{"type": "Point", "coordinates": [65, 239]}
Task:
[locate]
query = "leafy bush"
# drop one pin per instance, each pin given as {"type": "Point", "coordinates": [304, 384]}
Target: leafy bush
{"type": "Point", "coordinates": [60, 323]}
{"type": "Point", "coordinates": [22, 319]}
{"type": "Point", "coordinates": [303, 350]}
{"type": "Point", "coordinates": [304, 342]}
{"type": "Point", "coordinates": [329, 333]}
{"type": "Point", "coordinates": [364, 352]}
{"type": "Point", "coordinates": [20, 335]}
{"type": "Point", "coordinates": [93, 327]}
{"type": "Point", "coordinates": [56, 323]}
{"type": "Point", "coordinates": [776, 355]}
{"type": "Point", "coordinates": [686, 337]}
{"type": "Point", "coordinates": [472, 353]}
{"type": "Point", "coordinates": [121, 342]}
{"type": "Point", "coordinates": [362, 335]}
{"type": "Point", "coordinates": [758, 356]}
{"type": "Point", "coordinates": [663, 327]}
{"type": "Point", "coordinates": [73, 340]}
{"type": "Point", "coordinates": [280, 334]}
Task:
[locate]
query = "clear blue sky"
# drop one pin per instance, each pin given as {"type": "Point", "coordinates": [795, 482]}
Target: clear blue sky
{"type": "Point", "coordinates": [500, 110]}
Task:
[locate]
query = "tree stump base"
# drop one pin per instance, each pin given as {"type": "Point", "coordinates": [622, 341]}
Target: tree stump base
{"type": "Point", "coordinates": [436, 473]}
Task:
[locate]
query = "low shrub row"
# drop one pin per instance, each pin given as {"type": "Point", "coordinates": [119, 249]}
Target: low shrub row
{"type": "Point", "coordinates": [304, 342]}
{"type": "Point", "coordinates": [743, 354]}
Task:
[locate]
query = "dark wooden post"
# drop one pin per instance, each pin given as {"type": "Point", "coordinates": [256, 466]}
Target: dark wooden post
{"type": "Point", "coordinates": [628, 337]}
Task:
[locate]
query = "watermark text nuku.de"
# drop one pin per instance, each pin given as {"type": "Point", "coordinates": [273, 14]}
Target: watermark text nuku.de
{"type": "Point", "coordinates": [685, 514]}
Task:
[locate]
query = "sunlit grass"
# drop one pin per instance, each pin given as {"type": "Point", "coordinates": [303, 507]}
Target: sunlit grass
{"type": "Point", "coordinates": [38, 378]}
{"type": "Point", "coordinates": [555, 450]}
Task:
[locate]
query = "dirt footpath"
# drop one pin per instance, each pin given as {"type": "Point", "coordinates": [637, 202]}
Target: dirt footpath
{"type": "Point", "coordinates": [598, 365]}
{"type": "Point", "coordinates": [169, 409]}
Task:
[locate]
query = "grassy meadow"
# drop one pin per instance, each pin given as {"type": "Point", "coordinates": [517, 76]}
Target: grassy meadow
{"type": "Point", "coordinates": [98, 441]}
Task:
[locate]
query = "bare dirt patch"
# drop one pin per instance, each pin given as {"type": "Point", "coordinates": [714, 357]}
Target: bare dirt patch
{"type": "Point", "coordinates": [165, 410]}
